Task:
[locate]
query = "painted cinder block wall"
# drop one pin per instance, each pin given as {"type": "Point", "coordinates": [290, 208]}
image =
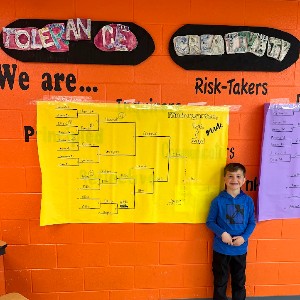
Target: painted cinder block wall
{"type": "Point", "coordinates": [138, 261]}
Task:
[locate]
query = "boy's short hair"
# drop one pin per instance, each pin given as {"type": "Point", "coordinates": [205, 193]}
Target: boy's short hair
{"type": "Point", "coordinates": [233, 167]}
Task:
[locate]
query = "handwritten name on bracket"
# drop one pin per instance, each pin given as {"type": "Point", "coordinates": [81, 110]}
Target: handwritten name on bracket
{"type": "Point", "coordinates": [214, 129]}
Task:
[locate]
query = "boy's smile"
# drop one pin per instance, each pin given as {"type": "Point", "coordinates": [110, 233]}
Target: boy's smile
{"type": "Point", "coordinates": [234, 181]}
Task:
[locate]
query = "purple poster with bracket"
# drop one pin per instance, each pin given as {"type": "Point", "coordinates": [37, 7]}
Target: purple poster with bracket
{"type": "Point", "coordinates": [279, 190]}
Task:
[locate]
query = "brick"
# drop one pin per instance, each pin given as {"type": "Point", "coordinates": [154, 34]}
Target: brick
{"type": "Point", "coordinates": [252, 172]}
{"type": "Point", "coordinates": [11, 97]}
{"type": "Point", "coordinates": [180, 293]}
{"type": "Point", "coordinates": [252, 251]}
{"type": "Point", "coordinates": [30, 153]}
{"type": "Point", "coordinates": [55, 234]}
{"type": "Point", "coordinates": [57, 280]}
{"type": "Point", "coordinates": [18, 280]}
{"type": "Point", "coordinates": [33, 179]}
{"type": "Point", "coordinates": [19, 206]}
{"type": "Point", "coordinates": [215, 15]}
{"type": "Point", "coordinates": [7, 10]}
{"type": "Point", "coordinates": [159, 70]}
{"type": "Point", "coordinates": [5, 21]}
{"type": "Point", "coordinates": [183, 93]}
{"type": "Point", "coordinates": [105, 74]}
{"type": "Point", "coordinates": [101, 10]}
{"type": "Point", "coordinates": [34, 10]}
{"type": "Point", "coordinates": [194, 232]}
{"type": "Point", "coordinates": [234, 127]}
{"type": "Point", "coordinates": [294, 32]}
{"type": "Point", "coordinates": [137, 294]}
{"type": "Point", "coordinates": [244, 102]}
{"type": "Point", "coordinates": [283, 92]}
{"type": "Point", "coordinates": [251, 186]}
{"type": "Point", "coordinates": [166, 12]}
{"type": "Point", "coordinates": [268, 230]}
{"type": "Point", "coordinates": [139, 92]}
{"type": "Point", "coordinates": [20, 257]}
{"type": "Point", "coordinates": [212, 76]}
{"type": "Point", "coordinates": [277, 290]}
{"type": "Point", "coordinates": [11, 124]}
{"type": "Point", "coordinates": [108, 278]}
{"type": "Point", "coordinates": [2, 283]}
{"type": "Point", "coordinates": [12, 179]}
{"type": "Point", "coordinates": [197, 275]}
{"type": "Point", "coordinates": [31, 96]}
{"type": "Point", "coordinates": [29, 118]}
{"type": "Point", "coordinates": [241, 152]}
{"type": "Point", "coordinates": [28, 98]}
{"type": "Point", "coordinates": [158, 276]}
{"type": "Point", "coordinates": [250, 291]}
{"type": "Point", "coordinates": [297, 75]}
{"type": "Point", "coordinates": [103, 295]}
{"type": "Point", "coordinates": [133, 253]}
{"type": "Point", "coordinates": [159, 232]}
{"type": "Point", "coordinates": [277, 14]}
{"type": "Point", "coordinates": [186, 252]}
{"type": "Point", "coordinates": [83, 255]}
{"type": "Point", "coordinates": [11, 154]}
{"type": "Point", "coordinates": [253, 195]}
{"type": "Point", "coordinates": [276, 250]}
{"type": "Point", "coordinates": [289, 273]}
{"type": "Point", "coordinates": [288, 229]}
{"type": "Point", "coordinates": [251, 124]}
{"type": "Point", "coordinates": [210, 250]}
{"type": "Point", "coordinates": [283, 78]}
{"type": "Point", "coordinates": [16, 232]}
{"type": "Point", "coordinates": [156, 32]}
{"type": "Point", "coordinates": [262, 273]}
{"type": "Point", "coordinates": [41, 296]}
{"type": "Point", "coordinates": [94, 233]}
{"type": "Point", "coordinates": [36, 71]}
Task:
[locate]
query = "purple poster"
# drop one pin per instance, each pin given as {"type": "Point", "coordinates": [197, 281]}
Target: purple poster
{"type": "Point", "coordinates": [279, 190]}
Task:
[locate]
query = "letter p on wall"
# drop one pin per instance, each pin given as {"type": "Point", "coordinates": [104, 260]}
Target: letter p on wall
{"type": "Point", "coordinates": [28, 132]}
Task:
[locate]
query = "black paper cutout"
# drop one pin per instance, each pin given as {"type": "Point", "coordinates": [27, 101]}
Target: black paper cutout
{"type": "Point", "coordinates": [84, 51]}
{"type": "Point", "coordinates": [234, 62]}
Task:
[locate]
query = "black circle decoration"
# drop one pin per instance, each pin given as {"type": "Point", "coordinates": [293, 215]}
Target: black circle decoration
{"type": "Point", "coordinates": [83, 51]}
{"type": "Point", "coordinates": [233, 48]}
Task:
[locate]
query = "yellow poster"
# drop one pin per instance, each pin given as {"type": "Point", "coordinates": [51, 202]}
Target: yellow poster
{"type": "Point", "coordinates": [141, 163]}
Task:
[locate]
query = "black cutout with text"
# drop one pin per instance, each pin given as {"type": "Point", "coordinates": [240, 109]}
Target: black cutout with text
{"type": "Point", "coordinates": [84, 51]}
{"type": "Point", "coordinates": [193, 57]}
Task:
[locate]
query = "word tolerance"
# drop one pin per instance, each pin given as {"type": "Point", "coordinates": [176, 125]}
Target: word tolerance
{"type": "Point", "coordinates": [55, 37]}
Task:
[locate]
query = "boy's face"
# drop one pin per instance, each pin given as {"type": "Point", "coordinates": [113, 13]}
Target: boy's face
{"type": "Point", "coordinates": [234, 180]}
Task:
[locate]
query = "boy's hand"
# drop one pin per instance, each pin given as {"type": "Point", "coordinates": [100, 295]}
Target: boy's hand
{"type": "Point", "coordinates": [238, 240]}
{"type": "Point", "coordinates": [226, 238]}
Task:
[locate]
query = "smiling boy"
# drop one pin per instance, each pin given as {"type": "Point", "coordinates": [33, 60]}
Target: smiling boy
{"type": "Point", "coordinates": [232, 219]}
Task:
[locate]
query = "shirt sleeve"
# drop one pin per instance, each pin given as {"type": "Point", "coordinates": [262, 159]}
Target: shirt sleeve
{"type": "Point", "coordinates": [251, 221]}
{"type": "Point", "coordinates": [211, 221]}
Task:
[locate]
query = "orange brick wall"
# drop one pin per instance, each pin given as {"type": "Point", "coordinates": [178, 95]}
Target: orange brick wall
{"type": "Point", "coordinates": [138, 261]}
